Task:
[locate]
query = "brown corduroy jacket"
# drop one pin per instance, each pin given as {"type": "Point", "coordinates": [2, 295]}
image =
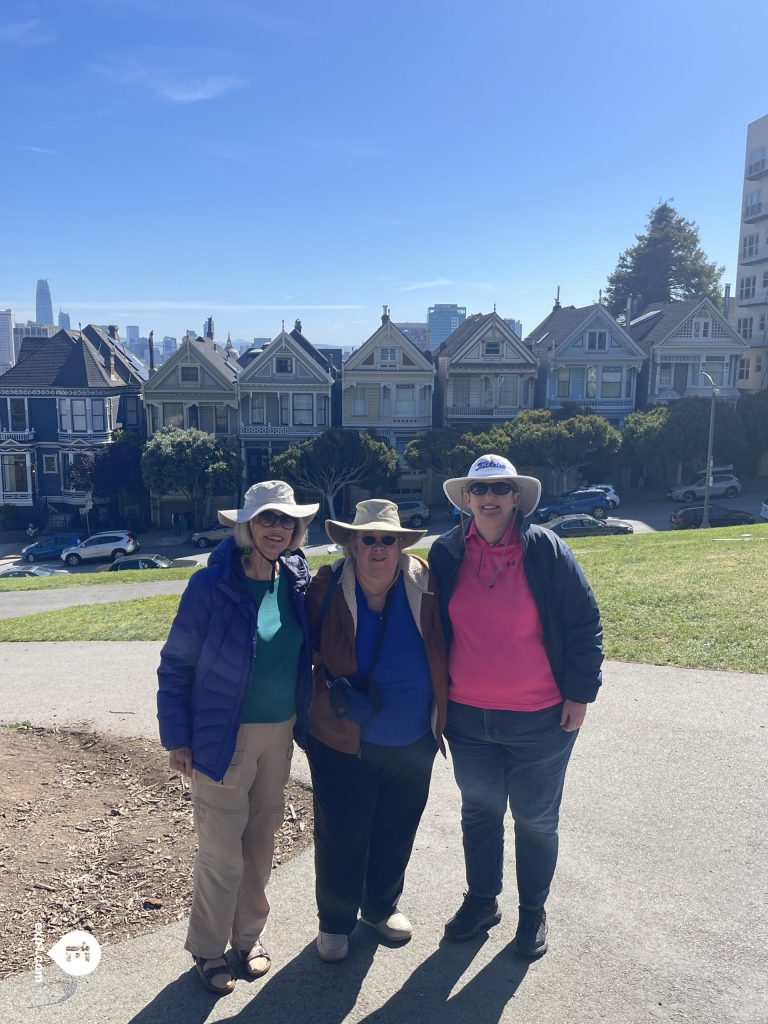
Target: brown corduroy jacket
{"type": "Point", "coordinates": [337, 647]}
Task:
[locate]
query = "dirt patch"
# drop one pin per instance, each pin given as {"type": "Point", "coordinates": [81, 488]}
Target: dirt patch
{"type": "Point", "coordinates": [96, 833]}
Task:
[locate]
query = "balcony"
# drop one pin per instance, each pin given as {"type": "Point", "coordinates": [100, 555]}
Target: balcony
{"type": "Point", "coordinates": [758, 211]}
{"type": "Point", "coordinates": [15, 497]}
{"type": "Point", "coordinates": [480, 412]}
{"type": "Point", "coordinates": [758, 255]}
{"type": "Point", "coordinates": [755, 300]}
{"type": "Point", "coordinates": [758, 169]}
{"type": "Point", "coordinates": [88, 436]}
{"type": "Point", "coordinates": [17, 435]}
{"type": "Point", "coordinates": [411, 421]}
{"type": "Point", "coordinates": [262, 430]}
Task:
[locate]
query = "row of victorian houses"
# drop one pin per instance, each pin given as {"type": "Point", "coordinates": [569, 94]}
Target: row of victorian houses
{"type": "Point", "coordinates": [68, 394]}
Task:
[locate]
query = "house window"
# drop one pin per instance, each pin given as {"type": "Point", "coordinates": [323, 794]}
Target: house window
{"type": "Point", "coordinates": [388, 356]}
{"type": "Point", "coordinates": [50, 464]}
{"type": "Point", "coordinates": [302, 410]}
{"type": "Point", "coordinates": [79, 416]}
{"type": "Point", "coordinates": [701, 327]}
{"type": "Point", "coordinates": [257, 408]}
{"type": "Point", "coordinates": [173, 415]}
{"type": "Point", "coordinates": [193, 417]}
{"type": "Point", "coordinates": [761, 323]}
{"type": "Point", "coordinates": [744, 327]}
{"type": "Point", "coordinates": [222, 419]}
{"type": "Point", "coordinates": [405, 399]}
{"type": "Point", "coordinates": [758, 364]}
{"type": "Point", "coordinates": [486, 391]}
{"type": "Point", "coordinates": [628, 384]}
{"type": "Point", "coordinates": [360, 400]}
{"type": "Point", "coordinates": [508, 391]}
{"type": "Point", "coordinates": [491, 348]}
{"type": "Point", "coordinates": [747, 287]}
{"type": "Point", "coordinates": [386, 400]}
{"type": "Point", "coordinates": [597, 341]}
{"type": "Point", "coordinates": [204, 417]}
{"type": "Point", "coordinates": [665, 375]}
{"type": "Point", "coordinates": [461, 391]}
{"type": "Point", "coordinates": [63, 415]}
{"type": "Point", "coordinates": [591, 381]}
{"type": "Point", "coordinates": [610, 386]}
{"type": "Point", "coordinates": [18, 414]}
{"type": "Point", "coordinates": [749, 245]}
{"type": "Point", "coordinates": [563, 382]}
{"type": "Point", "coordinates": [131, 411]}
{"type": "Point", "coordinates": [153, 418]}
{"type": "Point", "coordinates": [744, 369]}
{"type": "Point", "coordinates": [190, 375]}
{"type": "Point", "coordinates": [756, 161]}
{"type": "Point", "coordinates": [765, 279]}
{"type": "Point", "coordinates": [753, 205]}
{"type": "Point", "coordinates": [715, 367]}
{"type": "Point", "coordinates": [98, 415]}
{"type": "Point", "coordinates": [284, 364]}
{"type": "Point", "coordinates": [285, 410]}
{"type": "Point", "coordinates": [15, 473]}
{"type": "Point", "coordinates": [322, 410]}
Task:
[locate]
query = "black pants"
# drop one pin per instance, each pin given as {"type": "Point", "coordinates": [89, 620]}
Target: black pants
{"type": "Point", "coordinates": [367, 810]}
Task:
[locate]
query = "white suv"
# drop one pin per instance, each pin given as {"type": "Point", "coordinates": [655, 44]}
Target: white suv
{"type": "Point", "coordinates": [112, 544]}
{"type": "Point", "coordinates": [724, 485]}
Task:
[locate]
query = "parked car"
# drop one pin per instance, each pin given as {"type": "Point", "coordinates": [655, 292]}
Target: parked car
{"type": "Point", "coordinates": [412, 513]}
{"type": "Point", "coordinates": [589, 500]}
{"type": "Point", "coordinates": [456, 514]}
{"type": "Point", "coordinates": [141, 562]}
{"type": "Point", "coordinates": [111, 544]}
{"type": "Point", "coordinates": [14, 572]}
{"type": "Point", "coordinates": [764, 510]}
{"type": "Point", "coordinates": [724, 485]}
{"type": "Point", "coordinates": [211, 535]}
{"type": "Point", "coordinates": [609, 491]}
{"type": "Point", "coordinates": [690, 518]}
{"type": "Point", "coordinates": [49, 547]}
{"type": "Point", "coordinates": [587, 526]}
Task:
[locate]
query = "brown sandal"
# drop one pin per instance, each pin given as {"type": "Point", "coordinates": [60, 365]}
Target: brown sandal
{"type": "Point", "coordinates": [256, 952]}
{"type": "Point", "coordinates": [207, 974]}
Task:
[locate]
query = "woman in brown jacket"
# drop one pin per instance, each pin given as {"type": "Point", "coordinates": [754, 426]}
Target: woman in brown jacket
{"type": "Point", "coordinates": [375, 722]}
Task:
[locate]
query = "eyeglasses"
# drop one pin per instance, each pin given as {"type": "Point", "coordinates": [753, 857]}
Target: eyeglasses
{"type": "Point", "coordinates": [499, 489]}
{"type": "Point", "coordinates": [369, 540]}
{"type": "Point", "coordinates": [270, 518]}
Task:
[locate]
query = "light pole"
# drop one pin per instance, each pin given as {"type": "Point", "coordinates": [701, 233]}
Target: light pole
{"type": "Point", "coordinates": [708, 481]}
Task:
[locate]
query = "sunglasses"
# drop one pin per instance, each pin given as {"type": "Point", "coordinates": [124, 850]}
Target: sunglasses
{"type": "Point", "coordinates": [369, 540]}
{"type": "Point", "coordinates": [499, 489]}
{"type": "Point", "coordinates": [270, 518]}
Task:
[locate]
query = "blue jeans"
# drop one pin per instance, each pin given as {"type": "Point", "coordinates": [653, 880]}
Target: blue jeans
{"type": "Point", "coordinates": [518, 757]}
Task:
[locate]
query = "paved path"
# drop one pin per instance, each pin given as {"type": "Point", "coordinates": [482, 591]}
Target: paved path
{"type": "Point", "coordinates": [26, 602]}
{"type": "Point", "coordinates": [658, 913]}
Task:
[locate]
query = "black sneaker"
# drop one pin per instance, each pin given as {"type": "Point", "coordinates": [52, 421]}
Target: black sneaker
{"type": "Point", "coordinates": [475, 913]}
{"type": "Point", "coordinates": [531, 935]}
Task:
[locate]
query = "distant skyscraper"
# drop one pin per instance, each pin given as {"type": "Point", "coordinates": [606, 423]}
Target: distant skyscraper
{"type": "Point", "coordinates": [7, 349]}
{"type": "Point", "coordinates": [208, 328]}
{"type": "Point", "coordinates": [43, 304]}
{"type": "Point", "coordinates": [442, 321]}
{"type": "Point", "coordinates": [169, 346]}
{"type": "Point", "coordinates": [514, 325]}
{"type": "Point", "coordinates": [418, 333]}
{"type": "Point", "coordinates": [64, 320]}
{"type": "Point", "coordinates": [131, 333]}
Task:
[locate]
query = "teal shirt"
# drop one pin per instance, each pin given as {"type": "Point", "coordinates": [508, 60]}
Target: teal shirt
{"type": "Point", "coordinates": [271, 696]}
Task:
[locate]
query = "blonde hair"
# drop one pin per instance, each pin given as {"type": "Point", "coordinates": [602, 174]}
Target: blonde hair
{"type": "Point", "coordinates": [244, 539]}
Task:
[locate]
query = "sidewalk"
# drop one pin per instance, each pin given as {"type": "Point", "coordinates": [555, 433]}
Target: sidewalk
{"type": "Point", "coordinates": [658, 910]}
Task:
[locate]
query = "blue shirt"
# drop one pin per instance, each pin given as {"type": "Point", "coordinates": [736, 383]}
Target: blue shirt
{"type": "Point", "coordinates": [401, 673]}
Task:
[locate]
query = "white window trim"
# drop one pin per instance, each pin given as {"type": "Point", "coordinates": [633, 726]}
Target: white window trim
{"type": "Point", "coordinates": [55, 458]}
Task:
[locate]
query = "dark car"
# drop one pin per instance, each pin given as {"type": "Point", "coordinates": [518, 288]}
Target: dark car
{"type": "Point", "coordinates": [588, 526]}
{"type": "Point", "coordinates": [142, 562]}
{"type": "Point", "coordinates": [690, 518]}
{"type": "Point", "coordinates": [49, 547]}
{"type": "Point", "coordinates": [593, 502]}
{"type": "Point", "coordinates": [16, 572]}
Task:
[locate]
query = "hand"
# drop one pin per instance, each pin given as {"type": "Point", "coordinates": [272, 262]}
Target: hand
{"type": "Point", "coordinates": [180, 760]}
{"type": "Point", "coordinates": [573, 715]}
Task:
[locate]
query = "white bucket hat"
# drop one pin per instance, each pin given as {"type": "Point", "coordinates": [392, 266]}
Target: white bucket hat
{"type": "Point", "coordinates": [494, 469]}
{"type": "Point", "coordinates": [272, 495]}
{"type": "Point", "coordinates": [373, 514]}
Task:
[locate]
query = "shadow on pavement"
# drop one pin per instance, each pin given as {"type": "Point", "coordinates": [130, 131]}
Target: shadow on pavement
{"type": "Point", "coordinates": [183, 1000]}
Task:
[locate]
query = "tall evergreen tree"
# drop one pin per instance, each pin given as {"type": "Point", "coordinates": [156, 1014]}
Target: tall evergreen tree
{"type": "Point", "coordinates": [666, 263]}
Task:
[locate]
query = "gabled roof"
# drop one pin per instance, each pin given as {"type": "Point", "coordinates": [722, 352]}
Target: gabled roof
{"type": "Point", "coordinates": [392, 332]}
{"type": "Point", "coordinates": [474, 327]}
{"type": "Point", "coordinates": [559, 325]}
{"type": "Point", "coordinates": [254, 361]}
{"type": "Point", "coordinates": [660, 319]}
{"type": "Point", "coordinates": [310, 349]}
{"type": "Point", "coordinates": [133, 371]}
{"type": "Point", "coordinates": [205, 348]}
{"type": "Point", "coordinates": [67, 360]}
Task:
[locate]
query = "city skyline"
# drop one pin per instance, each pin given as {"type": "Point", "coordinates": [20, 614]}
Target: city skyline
{"type": "Point", "coordinates": [256, 199]}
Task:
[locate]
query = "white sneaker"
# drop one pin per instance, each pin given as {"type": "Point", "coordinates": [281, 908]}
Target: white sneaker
{"type": "Point", "coordinates": [332, 947]}
{"type": "Point", "coordinates": [395, 928]}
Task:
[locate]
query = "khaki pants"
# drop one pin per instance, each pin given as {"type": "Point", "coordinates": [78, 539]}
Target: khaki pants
{"type": "Point", "coordinates": [236, 821]}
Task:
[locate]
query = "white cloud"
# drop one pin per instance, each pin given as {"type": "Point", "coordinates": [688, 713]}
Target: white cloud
{"type": "Point", "coordinates": [37, 149]}
{"type": "Point", "coordinates": [26, 33]}
{"type": "Point", "coordinates": [418, 286]}
{"type": "Point", "coordinates": [171, 86]}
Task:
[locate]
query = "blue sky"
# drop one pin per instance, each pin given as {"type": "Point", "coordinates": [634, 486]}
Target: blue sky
{"type": "Point", "coordinates": [163, 160]}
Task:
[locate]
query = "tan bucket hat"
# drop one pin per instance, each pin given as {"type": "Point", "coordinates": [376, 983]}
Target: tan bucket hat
{"type": "Point", "coordinates": [275, 495]}
{"type": "Point", "coordinates": [373, 514]}
{"type": "Point", "coordinates": [494, 469]}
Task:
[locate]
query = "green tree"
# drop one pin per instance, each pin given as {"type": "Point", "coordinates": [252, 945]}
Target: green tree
{"type": "Point", "coordinates": [666, 263]}
{"type": "Point", "coordinates": [193, 462]}
{"type": "Point", "coordinates": [117, 476]}
{"type": "Point", "coordinates": [444, 451]}
{"type": "Point", "coordinates": [578, 442]}
{"type": "Point", "coordinates": [752, 410]}
{"type": "Point", "coordinates": [329, 462]}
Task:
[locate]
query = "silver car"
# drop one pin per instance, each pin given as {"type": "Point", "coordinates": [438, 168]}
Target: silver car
{"type": "Point", "coordinates": [112, 544]}
{"type": "Point", "coordinates": [724, 485]}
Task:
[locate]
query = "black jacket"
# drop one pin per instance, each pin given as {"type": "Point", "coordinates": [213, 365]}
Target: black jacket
{"type": "Point", "coordinates": [570, 618]}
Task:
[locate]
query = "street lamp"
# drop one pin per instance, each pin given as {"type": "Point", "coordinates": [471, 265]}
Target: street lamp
{"type": "Point", "coordinates": [708, 481]}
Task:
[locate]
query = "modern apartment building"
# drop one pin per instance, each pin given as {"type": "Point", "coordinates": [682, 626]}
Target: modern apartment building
{"type": "Point", "coordinates": [751, 297]}
{"type": "Point", "coordinates": [7, 350]}
{"type": "Point", "coordinates": [443, 320]}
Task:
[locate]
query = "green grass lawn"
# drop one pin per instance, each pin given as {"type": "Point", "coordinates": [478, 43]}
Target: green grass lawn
{"type": "Point", "coordinates": [693, 598]}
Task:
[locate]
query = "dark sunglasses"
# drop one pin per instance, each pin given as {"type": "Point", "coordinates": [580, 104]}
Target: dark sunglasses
{"type": "Point", "coordinates": [480, 489]}
{"type": "Point", "coordinates": [369, 540]}
{"type": "Point", "coordinates": [270, 518]}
